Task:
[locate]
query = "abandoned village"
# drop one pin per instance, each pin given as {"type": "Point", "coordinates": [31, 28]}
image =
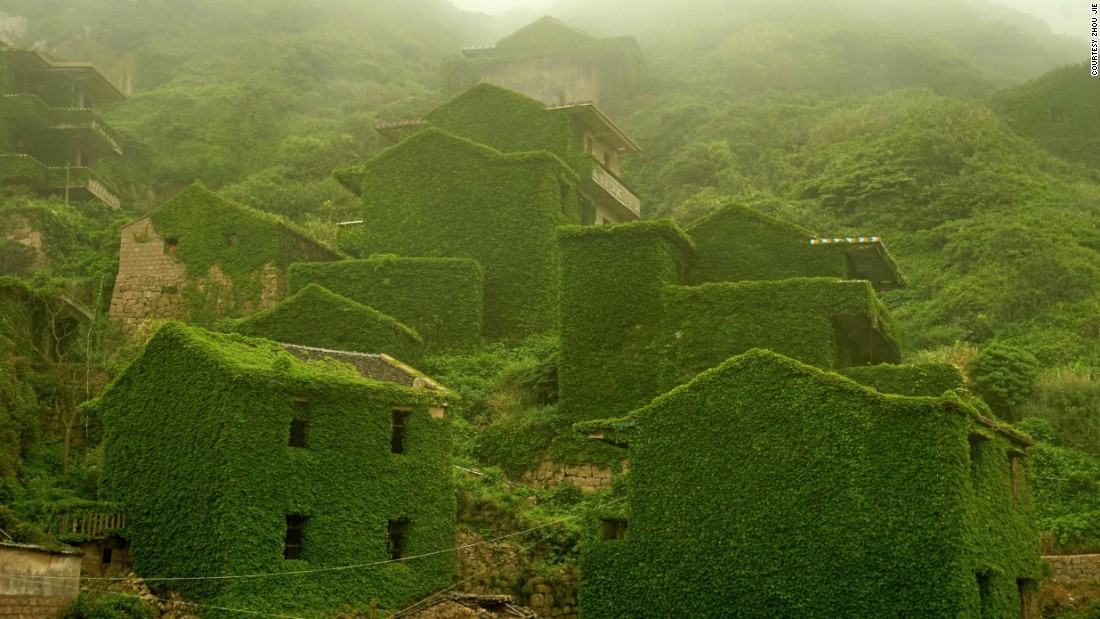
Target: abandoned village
{"type": "Point", "coordinates": [740, 376]}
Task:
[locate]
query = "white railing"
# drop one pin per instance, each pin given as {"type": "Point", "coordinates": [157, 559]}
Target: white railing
{"type": "Point", "coordinates": [616, 189]}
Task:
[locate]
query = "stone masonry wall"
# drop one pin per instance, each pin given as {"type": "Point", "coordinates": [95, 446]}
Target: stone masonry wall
{"type": "Point", "coordinates": [32, 606]}
{"type": "Point", "coordinates": [504, 569]}
{"type": "Point", "coordinates": [588, 477]}
{"type": "Point", "coordinates": [19, 229]}
{"type": "Point", "coordinates": [149, 280]}
{"type": "Point", "coordinates": [1069, 568]}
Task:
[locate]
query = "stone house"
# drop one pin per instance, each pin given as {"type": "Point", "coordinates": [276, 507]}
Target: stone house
{"type": "Point", "coordinates": [37, 582]}
{"type": "Point", "coordinates": [200, 257]}
{"type": "Point", "coordinates": [51, 134]}
{"type": "Point", "coordinates": [646, 305]}
{"type": "Point", "coordinates": [769, 488]}
{"type": "Point", "coordinates": [555, 63]}
{"type": "Point", "coordinates": [235, 455]}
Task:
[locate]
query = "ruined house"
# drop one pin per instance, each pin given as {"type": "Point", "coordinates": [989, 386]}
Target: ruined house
{"type": "Point", "coordinates": [200, 257]}
{"type": "Point", "coordinates": [51, 134]}
{"type": "Point", "coordinates": [235, 455]}
{"type": "Point", "coordinates": [555, 63]}
{"type": "Point", "coordinates": [769, 488]}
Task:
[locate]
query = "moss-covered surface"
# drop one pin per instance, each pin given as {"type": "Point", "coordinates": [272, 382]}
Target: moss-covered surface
{"type": "Point", "coordinates": [920, 379]}
{"type": "Point", "coordinates": [239, 241]}
{"type": "Point", "coordinates": [441, 298]}
{"type": "Point", "coordinates": [512, 123]}
{"type": "Point", "coordinates": [827, 323]}
{"type": "Point", "coordinates": [197, 449]}
{"type": "Point", "coordinates": [315, 316]}
{"type": "Point", "coordinates": [767, 488]}
{"type": "Point", "coordinates": [737, 243]}
{"type": "Point", "coordinates": [438, 195]}
{"type": "Point", "coordinates": [612, 280]}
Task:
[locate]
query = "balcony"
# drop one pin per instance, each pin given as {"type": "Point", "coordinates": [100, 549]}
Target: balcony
{"type": "Point", "coordinates": [607, 191]}
{"type": "Point", "coordinates": [82, 184]}
{"type": "Point", "coordinates": [85, 125]}
{"type": "Point", "coordinates": [24, 109]}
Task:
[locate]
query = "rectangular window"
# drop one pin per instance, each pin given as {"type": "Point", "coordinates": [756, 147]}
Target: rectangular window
{"type": "Point", "coordinates": [1029, 609]}
{"type": "Point", "coordinates": [396, 546]}
{"type": "Point", "coordinates": [976, 439]}
{"type": "Point", "coordinates": [292, 543]}
{"type": "Point", "coordinates": [106, 558]}
{"type": "Point", "coordinates": [614, 529]}
{"type": "Point", "coordinates": [297, 433]}
{"type": "Point", "coordinates": [400, 422]}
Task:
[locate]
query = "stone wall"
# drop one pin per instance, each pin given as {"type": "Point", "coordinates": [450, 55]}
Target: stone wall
{"type": "Point", "coordinates": [151, 282]}
{"type": "Point", "coordinates": [40, 582]}
{"type": "Point", "coordinates": [19, 229]}
{"type": "Point", "coordinates": [588, 477]}
{"type": "Point", "coordinates": [150, 279]}
{"type": "Point", "coordinates": [1068, 568]}
{"type": "Point", "coordinates": [556, 80]}
{"type": "Point", "coordinates": [505, 569]}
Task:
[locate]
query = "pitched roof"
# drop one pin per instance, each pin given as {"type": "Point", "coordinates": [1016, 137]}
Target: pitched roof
{"type": "Point", "coordinates": [379, 367]}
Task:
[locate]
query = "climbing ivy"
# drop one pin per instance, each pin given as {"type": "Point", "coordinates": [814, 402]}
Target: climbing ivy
{"type": "Point", "coordinates": [197, 449]}
{"type": "Point", "coordinates": [922, 379]}
{"type": "Point", "coordinates": [437, 195]}
{"type": "Point", "coordinates": [317, 317]}
{"type": "Point", "coordinates": [239, 241]}
{"type": "Point", "coordinates": [768, 488]}
{"type": "Point", "coordinates": [441, 298]}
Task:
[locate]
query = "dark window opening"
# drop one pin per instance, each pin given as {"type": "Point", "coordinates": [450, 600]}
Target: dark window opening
{"type": "Point", "coordinates": [1014, 474]}
{"type": "Point", "coordinates": [984, 588]}
{"type": "Point", "coordinates": [1029, 609]}
{"type": "Point", "coordinates": [396, 546]}
{"type": "Point", "coordinates": [297, 433]}
{"type": "Point", "coordinates": [170, 244]}
{"type": "Point", "coordinates": [106, 556]}
{"type": "Point", "coordinates": [292, 543]}
{"type": "Point", "coordinates": [231, 240]}
{"type": "Point", "coordinates": [614, 529]}
{"type": "Point", "coordinates": [976, 441]}
{"type": "Point", "coordinates": [400, 422]}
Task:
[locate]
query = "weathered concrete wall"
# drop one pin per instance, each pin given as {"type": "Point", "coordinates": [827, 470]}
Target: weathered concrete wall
{"type": "Point", "coordinates": [1068, 568]}
{"type": "Point", "coordinates": [37, 573]}
{"type": "Point", "coordinates": [32, 606]}
{"type": "Point", "coordinates": [150, 279]}
{"type": "Point", "coordinates": [588, 477]}
{"type": "Point", "coordinates": [19, 229]}
{"type": "Point", "coordinates": [553, 80]}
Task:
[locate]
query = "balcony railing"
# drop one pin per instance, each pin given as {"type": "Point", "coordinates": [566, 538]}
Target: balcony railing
{"type": "Point", "coordinates": [24, 109]}
{"type": "Point", "coordinates": [88, 524]}
{"type": "Point", "coordinates": [609, 183]}
{"type": "Point", "coordinates": [21, 169]}
{"type": "Point", "coordinates": [82, 183]}
{"type": "Point", "coordinates": [87, 123]}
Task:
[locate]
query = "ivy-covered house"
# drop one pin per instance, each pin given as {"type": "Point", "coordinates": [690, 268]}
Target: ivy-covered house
{"type": "Point", "coordinates": [51, 134]}
{"type": "Point", "coordinates": [315, 316]}
{"type": "Point", "coordinates": [555, 63]}
{"type": "Point", "coordinates": [646, 305]}
{"type": "Point", "coordinates": [439, 195]}
{"type": "Point", "coordinates": [578, 133]}
{"type": "Point", "coordinates": [765, 487]}
{"type": "Point", "coordinates": [237, 456]}
{"type": "Point", "coordinates": [199, 257]}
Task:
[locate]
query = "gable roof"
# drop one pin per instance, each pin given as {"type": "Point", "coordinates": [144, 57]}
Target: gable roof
{"type": "Point", "coordinates": [380, 367]}
{"type": "Point", "coordinates": [546, 31]}
{"type": "Point", "coordinates": [316, 316]}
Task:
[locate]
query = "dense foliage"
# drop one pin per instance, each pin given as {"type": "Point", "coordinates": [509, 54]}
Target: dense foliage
{"type": "Point", "coordinates": [435, 194]}
{"type": "Point", "coordinates": [197, 449]}
{"type": "Point", "coordinates": [440, 298]}
{"type": "Point", "coordinates": [805, 468]}
{"type": "Point", "coordinates": [317, 317]}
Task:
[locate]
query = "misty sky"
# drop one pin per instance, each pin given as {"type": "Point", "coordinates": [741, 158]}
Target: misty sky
{"type": "Point", "coordinates": [1063, 16]}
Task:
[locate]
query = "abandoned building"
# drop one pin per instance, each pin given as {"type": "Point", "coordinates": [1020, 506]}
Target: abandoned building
{"type": "Point", "coordinates": [578, 133]}
{"type": "Point", "coordinates": [37, 582]}
{"type": "Point", "coordinates": [201, 257]}
{"type": "Point", "coordinates": [51, 134]}
{"type": "Point", "coordinates": [769, 488]}
{"type": "Point", "coordinates": [315, 316]}
{"type": "Point", "coordinates": [555, 63]}
{"type": "Point", "coordinates": [645, 306]}
{"type": "Point", "coordinates": [235, 455]}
